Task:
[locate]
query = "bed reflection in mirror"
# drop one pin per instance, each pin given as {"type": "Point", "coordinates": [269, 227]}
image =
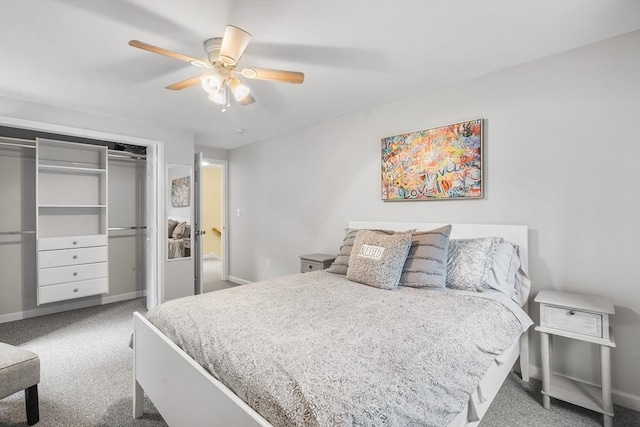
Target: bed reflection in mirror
{"type": "Point", "coordinates": [179, 200]}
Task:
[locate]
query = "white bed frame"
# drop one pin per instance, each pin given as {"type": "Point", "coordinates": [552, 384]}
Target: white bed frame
{"type": "Point", "coordinates": [186, 394]}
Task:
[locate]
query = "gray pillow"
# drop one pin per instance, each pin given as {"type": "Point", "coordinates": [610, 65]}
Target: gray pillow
{"type": "Point", "coordinates": [426, 264]}
{"type": "Point", "coordinates": [377, 259]}
{"type": "Point", "coordinates": [469, 262]}
{"type": "Point", "coordinates": [341, 264]}
{"type": "Point", "coordinates": [172, 224]}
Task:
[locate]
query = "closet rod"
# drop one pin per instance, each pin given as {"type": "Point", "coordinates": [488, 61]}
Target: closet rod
{"type": "Point", "coordinates": [12, 144]}
{"type": "Point", "coordinates": [138, 227]}
{"type": "Point", "coordinates": [125, 155]}
{"type": "Point", "coordinates": [6, 233]}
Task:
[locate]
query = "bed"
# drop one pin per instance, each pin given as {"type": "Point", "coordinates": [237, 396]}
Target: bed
{"type": "Point", "coordinates": [186, 393]}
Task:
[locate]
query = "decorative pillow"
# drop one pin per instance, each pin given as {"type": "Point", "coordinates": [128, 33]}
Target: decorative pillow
{"type": "Point", "coordinates": [172, 225]}
{"type": "Point", "coordinates": [341, 264]}
{"type": "Point", "coordinates": [469, 262]}
{"type": "Point", "coordinates": [507, 274]}
{"type": "Point", "coordinates": [187, 231]}
{"type": "Point", "coordinates": [178, 232]}
{"type": "Point", "coordinates": [426, 264]}
{"type": "Point", "coordinates": [377, 258]}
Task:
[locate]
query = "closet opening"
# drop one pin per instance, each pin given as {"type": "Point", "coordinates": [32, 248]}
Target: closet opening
{"type": "Point", "coordinates": [99, 189]}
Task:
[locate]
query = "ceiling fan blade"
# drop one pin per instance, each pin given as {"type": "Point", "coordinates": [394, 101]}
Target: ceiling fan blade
{"type": "Point", "coordinates": [155, 49]}
{"type": "Point", "coordinates": [184, 84]}
{"type": "Point", "coordinates": [234, 42]}
{"type": "Point", "coordinates": [294, 77]}
{"type": "Point", "coordinates": [247, 100]}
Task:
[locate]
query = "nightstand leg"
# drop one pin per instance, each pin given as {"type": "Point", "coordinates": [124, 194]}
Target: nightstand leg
{"type": "Point", "coordinates": [546, 369]}
{"type": "Point", "coordinates": [605, 369]}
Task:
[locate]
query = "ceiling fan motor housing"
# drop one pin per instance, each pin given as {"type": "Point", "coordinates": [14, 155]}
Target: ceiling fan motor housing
{"type": "Point", "coordinates": [212, 48]}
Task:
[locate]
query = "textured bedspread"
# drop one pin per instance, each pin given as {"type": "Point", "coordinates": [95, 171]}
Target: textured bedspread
{"type": "Point", "coordinates": [315, 349]}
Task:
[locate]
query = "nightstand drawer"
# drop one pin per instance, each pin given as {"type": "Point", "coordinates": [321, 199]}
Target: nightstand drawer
{"type": "Point", "coordinates": [571, 320]}
{"type": "Point", "coordinates": [306, 266]}
{"type": "Point", "coordinates": [315, 262]}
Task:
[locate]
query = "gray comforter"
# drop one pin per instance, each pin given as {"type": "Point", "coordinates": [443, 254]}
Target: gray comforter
{"type": "Point", "coordinates": [316, 349]}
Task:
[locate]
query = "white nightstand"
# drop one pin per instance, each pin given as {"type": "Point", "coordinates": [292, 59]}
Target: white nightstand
{"type": "Point", "coordinates": [584, 318]}
{"type": "Point", "coordinates": [315, 262]}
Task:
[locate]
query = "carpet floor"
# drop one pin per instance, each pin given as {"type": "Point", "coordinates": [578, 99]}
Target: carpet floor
{"type": "Point", "coordinates": [211, 273]}
{"type": "Point", "coordinates": [86, 377]}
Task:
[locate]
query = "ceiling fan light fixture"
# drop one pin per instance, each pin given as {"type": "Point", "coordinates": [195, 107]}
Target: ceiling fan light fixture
{"type": "Point", "coordinates": [217, 98]}
{"type": "Point", "coordinates": [234, 42]}
{"type": "Point", "coordinates": [239, 90]}
{"type": "Point", "coordinates": [212, 83]}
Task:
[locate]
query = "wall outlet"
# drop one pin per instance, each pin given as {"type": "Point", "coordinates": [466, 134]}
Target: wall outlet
{"type": "Point", "coordinates": [268, 263]}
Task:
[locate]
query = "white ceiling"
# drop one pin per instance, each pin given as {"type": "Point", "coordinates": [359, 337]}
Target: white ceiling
{"type": "Point", "coordinates": [355, 54]}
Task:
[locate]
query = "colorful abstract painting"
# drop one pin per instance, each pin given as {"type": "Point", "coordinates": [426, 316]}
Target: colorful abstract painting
{"type": "Point", "coordinates": [434, 164]}
{"type": "Point", "coordinates": [180, 192]}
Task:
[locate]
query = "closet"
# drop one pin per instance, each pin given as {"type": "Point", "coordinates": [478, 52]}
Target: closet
{"type": "Point", "coordinates": [72, 217]}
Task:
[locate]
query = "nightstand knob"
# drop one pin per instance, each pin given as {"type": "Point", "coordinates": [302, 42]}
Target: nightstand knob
{"type": "Point", "coordinates": [571, 312]}
{"type": "Point", "coordinates": [311, 267]}
{"type": "Point", "coordinates": [75, 242]}
{"type": "Point", "coordinates": [75, 273]}
{"type": "Point", "coordinates": [75, 290]}
{"type": "Point", "coordinates": [75, 257]}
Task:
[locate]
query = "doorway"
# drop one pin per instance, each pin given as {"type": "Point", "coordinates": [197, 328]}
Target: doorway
{"type": "Point", "coordinates": [212, 236]}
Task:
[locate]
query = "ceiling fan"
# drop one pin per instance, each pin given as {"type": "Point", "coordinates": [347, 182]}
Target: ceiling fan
{"type": "Point", "coordinates": [222, 81]}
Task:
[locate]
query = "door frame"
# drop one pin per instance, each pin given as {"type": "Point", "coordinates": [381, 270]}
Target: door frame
{"type": "Point", "coordinates": [155, 193]}
{"type": "Point", "coordinates": [224, 211]}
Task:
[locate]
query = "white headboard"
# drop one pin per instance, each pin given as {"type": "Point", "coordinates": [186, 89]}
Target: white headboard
{"type": "Point", "coordinates": [517, 234]}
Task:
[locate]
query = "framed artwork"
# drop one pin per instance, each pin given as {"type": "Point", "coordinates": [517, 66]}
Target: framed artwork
{"type": "Point", "coordinates": [180, 192]}
{"type": "Point", "coordinates": [443, 163]}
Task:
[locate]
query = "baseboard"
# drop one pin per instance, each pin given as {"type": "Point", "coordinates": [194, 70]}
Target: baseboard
{"type": "Point", "coordinates": [75, 305]}
{"type": "Point", "coordinates": [238, 280]}
{"type": "Point", "coordinates": [621, 398]}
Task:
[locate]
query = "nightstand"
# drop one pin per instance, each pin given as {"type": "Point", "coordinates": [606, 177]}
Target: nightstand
{"type": "Point", "coordinates": [584, 318]}
{"type": "Point", "coordinates": [315, 262]}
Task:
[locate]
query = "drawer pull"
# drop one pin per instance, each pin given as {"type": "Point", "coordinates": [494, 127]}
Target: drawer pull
{"type": "Point", "coordinates": [75, 290]}
{"type": "Point", "coordinates": [75, 273]}
{"type": "Point", "coordinates": [75, 257]}
{"type": "Point", "coordinates": [311, 267]}
{"type": "Point", "coordinates": [75, 242]}
{"type": "Point", "coordinates": [571, 312]}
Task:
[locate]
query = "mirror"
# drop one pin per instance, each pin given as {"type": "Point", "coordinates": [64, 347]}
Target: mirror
{"type": "Point", "coordinates": [179, 199]}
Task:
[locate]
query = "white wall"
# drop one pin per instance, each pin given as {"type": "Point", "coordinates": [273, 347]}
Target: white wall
{"type": "Point", "coordinates": [561, 150]}
{"type": "Point", "coordinates": [178, 148]}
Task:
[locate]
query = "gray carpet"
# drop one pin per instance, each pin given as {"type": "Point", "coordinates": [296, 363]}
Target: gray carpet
{"type": "Point", "coordinates": [87, 377]}
{"type": "Point", "coordinates": [211, 276]}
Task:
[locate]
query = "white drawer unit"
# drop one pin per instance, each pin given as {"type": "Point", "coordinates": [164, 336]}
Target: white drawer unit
{"type": "Point", "coordinates": [73, 273]}
{"type": "Point", "coordinates": [66, 291]}
{"type": "Point", "coordinates": [48, 259]}
{"type": "Point", "coordinates": [72, 220]}
{"type": "Point", "coordinates": [70, 242]}
{"type": "Point", "coordinates": [584, 318]}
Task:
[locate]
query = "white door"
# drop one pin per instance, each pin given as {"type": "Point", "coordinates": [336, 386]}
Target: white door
{"type": "Point", "coordinates": [152, 212]}
{"type": "Point", "coordinates": [198, 222]}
